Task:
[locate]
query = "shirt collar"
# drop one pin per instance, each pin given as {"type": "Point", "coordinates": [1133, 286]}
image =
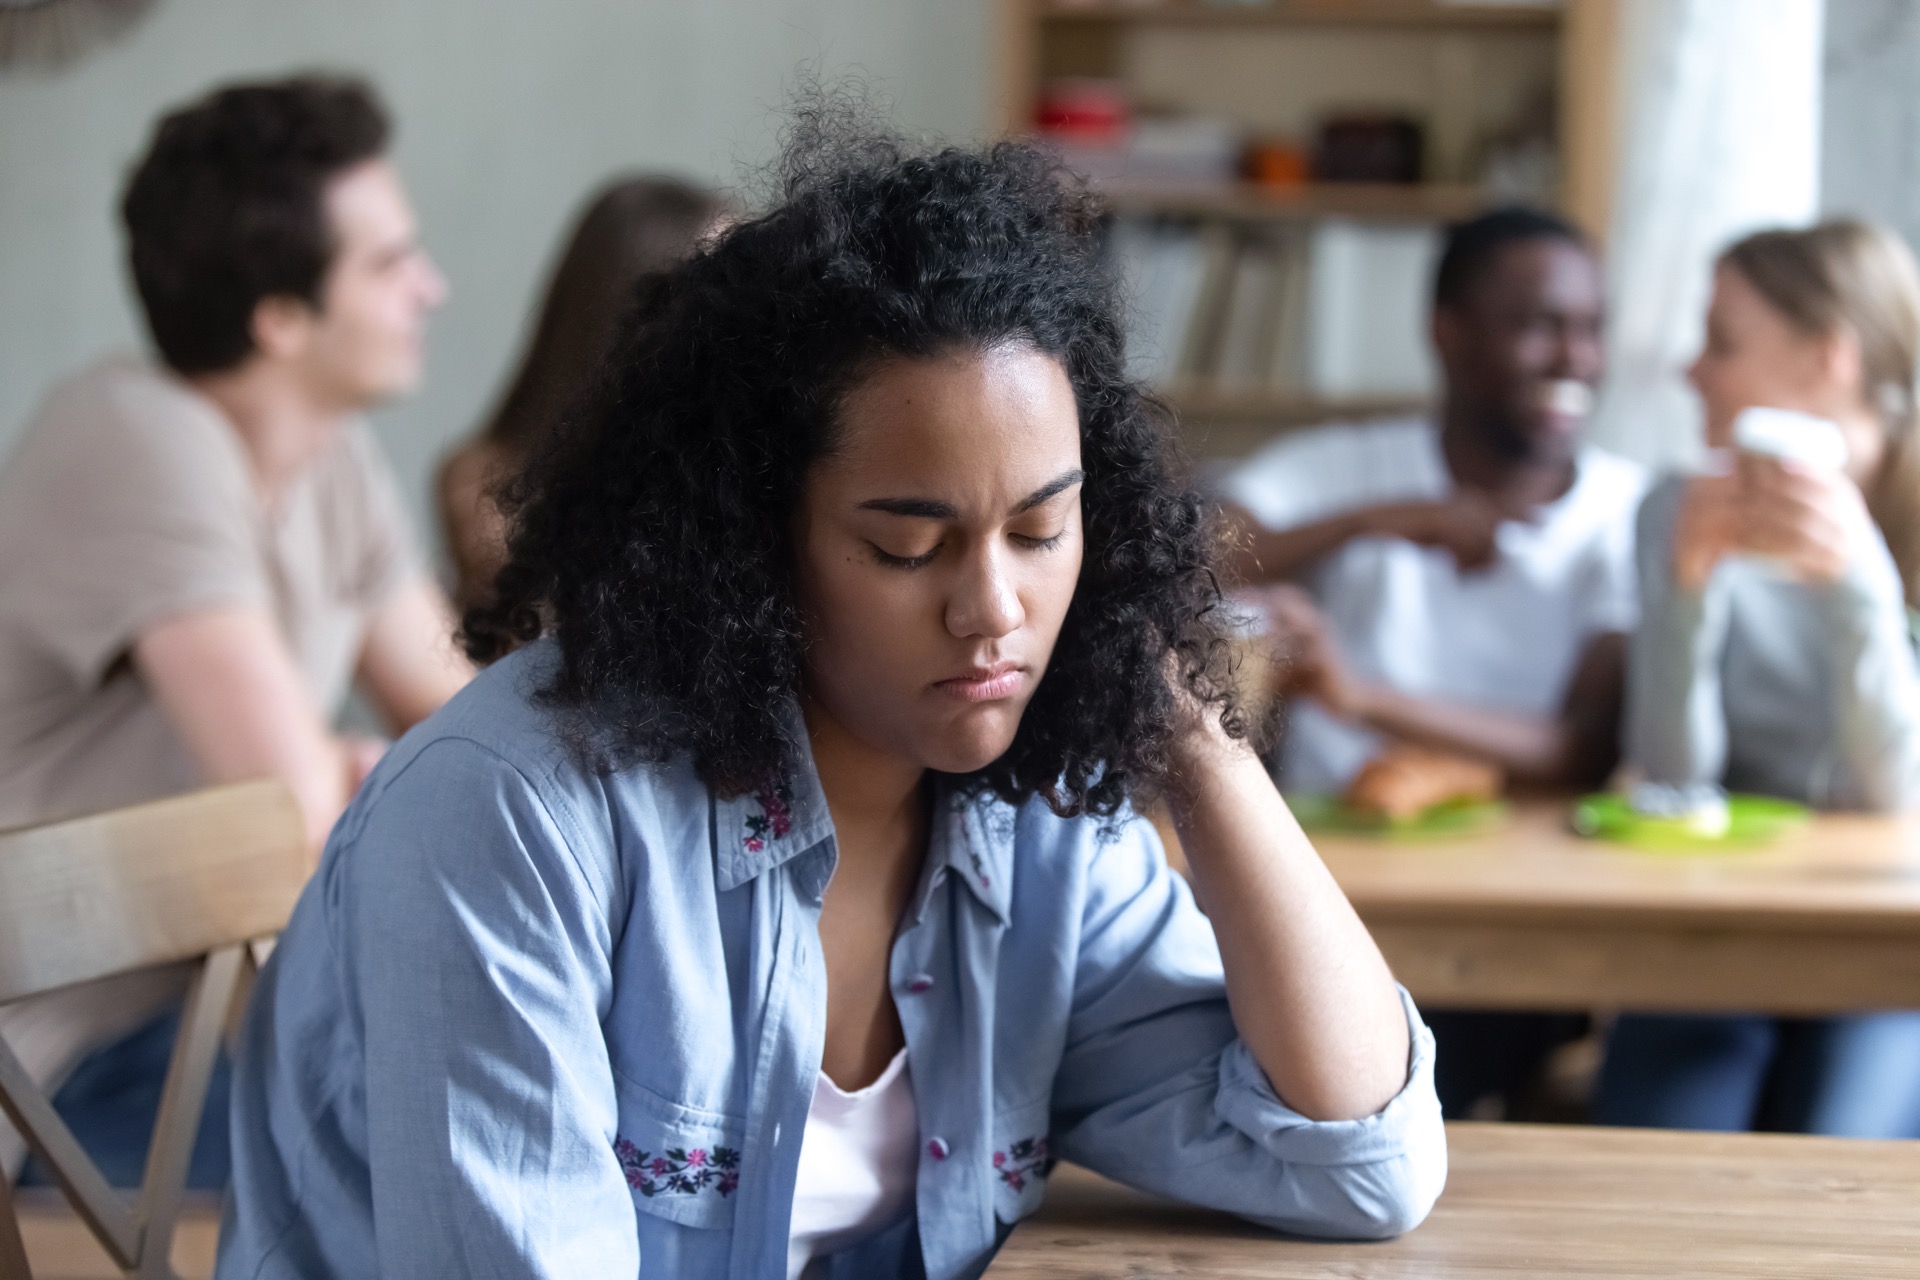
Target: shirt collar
{"type": "Point", "coordinates": [972, 841]}
{"type": "Point", "coordinates": [776, 821]}
{"type": "Point", "coordinates": [971, 838]}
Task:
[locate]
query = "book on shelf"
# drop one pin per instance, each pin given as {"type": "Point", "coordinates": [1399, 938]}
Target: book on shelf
{"type": "Point", "coordinates": [1334, 310]}
{"type": "Point", "coordinates": [1370, 298]}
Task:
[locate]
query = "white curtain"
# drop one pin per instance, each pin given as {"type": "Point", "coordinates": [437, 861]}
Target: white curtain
{"type": "Point", "coordinates": [1719, 135]}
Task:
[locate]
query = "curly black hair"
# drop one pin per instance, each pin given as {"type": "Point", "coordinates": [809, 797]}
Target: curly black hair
{"type": "Point", "coordinates": [653, 535]}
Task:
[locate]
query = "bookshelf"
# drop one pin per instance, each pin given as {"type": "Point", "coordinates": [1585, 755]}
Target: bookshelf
{"type": "Point", "coordinates": [1475, 76]}
{"type": "Point", "coordinates": [1250, 202]}
{"type": "Point", "coordinates": [1391, 13]}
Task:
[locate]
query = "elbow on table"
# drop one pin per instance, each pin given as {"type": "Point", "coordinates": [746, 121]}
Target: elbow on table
{"type": "Point", "coordinates": [1403, 1205]}
{"type": "Point", "coordinates": [1374, 1201]}
{"type": "Point", "coordinates": [1393, 1197]}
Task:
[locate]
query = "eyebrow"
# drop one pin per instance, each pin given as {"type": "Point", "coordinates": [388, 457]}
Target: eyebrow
{"type": "Point", "coordinates": [932, 509]}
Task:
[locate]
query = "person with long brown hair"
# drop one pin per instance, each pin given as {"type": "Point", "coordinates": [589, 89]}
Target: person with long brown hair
{"type": "Point", "coordinates": [632, 227]}
{"type": "Point", "coordinates": [1773, 653]}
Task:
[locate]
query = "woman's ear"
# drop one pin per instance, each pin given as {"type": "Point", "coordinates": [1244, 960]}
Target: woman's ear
{"type": "Point", "coordinates": [1842, 366]}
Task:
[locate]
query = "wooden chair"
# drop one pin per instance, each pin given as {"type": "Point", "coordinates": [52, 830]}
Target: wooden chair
{"type": "Point", "coordinates": [196, 877]}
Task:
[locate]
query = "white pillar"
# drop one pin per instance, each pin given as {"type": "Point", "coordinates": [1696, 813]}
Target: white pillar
{"type": "Point", "coordinates": [1720, 130]}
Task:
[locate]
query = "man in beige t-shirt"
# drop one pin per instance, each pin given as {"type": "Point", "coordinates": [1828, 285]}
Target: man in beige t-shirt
{"type": "Point", "coordinates": [199, 558]}
{"type": "Point", "coordinates": [130, 504]}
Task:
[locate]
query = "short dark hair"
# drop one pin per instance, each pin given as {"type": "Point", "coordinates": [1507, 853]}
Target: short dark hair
{"type": "Point", "coordinates": [1473, 245]}
{"type": "Point", "coordinates": [652, 533]}
{"type": "Point", "coordinates": [226, 208]}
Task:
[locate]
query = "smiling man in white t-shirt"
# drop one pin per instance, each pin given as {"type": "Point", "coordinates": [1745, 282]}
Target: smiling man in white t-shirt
{"type": "Point", "coordinates": [1470, 575]}
{"type": "Point", "coordinates": [1462, 582]}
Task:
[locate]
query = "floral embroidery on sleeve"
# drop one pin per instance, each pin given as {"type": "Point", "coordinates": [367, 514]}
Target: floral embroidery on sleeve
{"type": "Point", "coordinates": [677, 1171]}
{"type": "Point", "coordinates": [775, 818]}
{"type": "Point", "coordinates": [1027, 1157]}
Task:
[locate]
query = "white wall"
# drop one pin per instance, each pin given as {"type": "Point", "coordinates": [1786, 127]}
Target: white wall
{"type": "Point", "coordinates": [1870, 139]}
{"type": "Point", "coordinates": [508, 112]}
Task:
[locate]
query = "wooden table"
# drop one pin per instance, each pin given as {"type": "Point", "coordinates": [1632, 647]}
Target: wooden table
{"type": "Point", "coordinates": [1531, 916]}
{"type": "Point", "coordinates": [1526, 1201]}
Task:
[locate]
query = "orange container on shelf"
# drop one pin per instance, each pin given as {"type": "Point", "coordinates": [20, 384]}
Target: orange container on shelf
{"type": "Point", "coordinates": [1277, 162]}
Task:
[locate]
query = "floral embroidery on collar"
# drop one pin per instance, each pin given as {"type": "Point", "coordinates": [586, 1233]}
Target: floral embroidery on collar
{"type": "Point", "coordinates": [997, 821]}
{"type": "Point", "coordinates": [1029, 1156]}
{"type": "Point", "coordinates": [677, 1171]}
{"type": "Point", "coordinates": [979, 868]}
{"type": "Point", "coordinates": [775, 818]}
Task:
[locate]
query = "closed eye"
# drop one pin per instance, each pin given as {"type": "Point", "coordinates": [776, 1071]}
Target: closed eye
{"type": "Point", "coordinates": [904, 562]}
{"type": "Point", "coordinates": [1040, 544]}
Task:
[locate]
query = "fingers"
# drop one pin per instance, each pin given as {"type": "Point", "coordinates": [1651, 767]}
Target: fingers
{"type": "Point", "coordinates": [1291, 611]}
{"type": "Point", "coordinates": [1802, 516]}
{"type": "Point", "coordinates": [1705, 529]}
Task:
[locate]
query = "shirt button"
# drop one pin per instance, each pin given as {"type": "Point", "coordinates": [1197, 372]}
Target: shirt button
{"type": "Point", "coordinates": [938, 1148]}
{"type": "Point", "coordinates": [920, 982]}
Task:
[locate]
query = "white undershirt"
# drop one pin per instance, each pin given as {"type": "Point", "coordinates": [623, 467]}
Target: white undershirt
{"type": "Point", "coordinates": [859, 1159]}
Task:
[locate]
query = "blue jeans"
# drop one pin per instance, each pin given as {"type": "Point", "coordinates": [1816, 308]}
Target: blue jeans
{"type": "Point", "coordinates": [113, 1097]}
{"type": "Point", "coordinates": [1479, 1054]}
{"type": "Point", "coordinates": [1853, 1077]}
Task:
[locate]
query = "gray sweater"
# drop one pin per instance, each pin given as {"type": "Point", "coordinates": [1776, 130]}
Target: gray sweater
{"type": "Point", "coordinates": [1765, 684]}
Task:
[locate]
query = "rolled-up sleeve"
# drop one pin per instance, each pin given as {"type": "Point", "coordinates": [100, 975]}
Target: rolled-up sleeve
{"type": "Point", "coordinates": [1376, 1176]}
{"type": "Point", "coordinates": [1156, 1089]}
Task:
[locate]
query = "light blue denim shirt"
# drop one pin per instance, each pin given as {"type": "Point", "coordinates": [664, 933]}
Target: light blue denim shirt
{"type": "Point", "coordinates": [534, 1019]}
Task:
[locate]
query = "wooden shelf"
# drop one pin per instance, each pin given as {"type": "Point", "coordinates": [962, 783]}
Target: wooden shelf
{"type": "Point", "coordinates": [1221, 427]}
{"type": "Point", "coordinates": [1378, 201]}
{"type": "Point", "coordinates": [1396, 13]}
{"type": "Point", "coordinates": [1284, 410]}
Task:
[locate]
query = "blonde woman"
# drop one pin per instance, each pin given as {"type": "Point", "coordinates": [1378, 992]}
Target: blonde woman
{"type": "Point", "coordinates": [1773, 652]}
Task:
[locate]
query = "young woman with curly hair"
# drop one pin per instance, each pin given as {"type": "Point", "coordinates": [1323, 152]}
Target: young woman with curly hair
{"type": "Point", "coordinates": [776, 900]}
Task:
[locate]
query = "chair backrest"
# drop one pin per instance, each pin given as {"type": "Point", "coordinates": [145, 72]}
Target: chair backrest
{"type": "Point", "coordinates": [198, 876]}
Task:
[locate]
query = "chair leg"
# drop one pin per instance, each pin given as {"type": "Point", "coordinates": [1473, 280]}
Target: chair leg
{"type": "Point", "coordinates": [250, 963]}
{"type": "Point", "coordinates": [13, 1250]}
{"type": "Point", "coordinates": [50, 1139]}
{"type": "Point", "coordinates": [202, 1023]}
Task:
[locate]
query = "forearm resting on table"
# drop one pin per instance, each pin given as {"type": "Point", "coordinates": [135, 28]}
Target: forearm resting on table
{"type": "Point", "coordinates": [1528, 749]}
{"type": "Point", "coordinates": [1310, 993]}
{"type": "Point", "coordinates": [233, 693]}
{"type": "Point", "coordinates": [1577, 747]}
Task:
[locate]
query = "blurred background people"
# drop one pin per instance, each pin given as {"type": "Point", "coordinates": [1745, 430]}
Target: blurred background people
{"type": "Point", "coordinates": [1774, 652]}
{"type": "Point", "coordinates": [198, 556]}
{"type": "Point", "coordinates": [631, 228]}
{"type": "Point", "coordinates": [1465, 580]}
{"type": "Point", "coordinates": [1462, 582]}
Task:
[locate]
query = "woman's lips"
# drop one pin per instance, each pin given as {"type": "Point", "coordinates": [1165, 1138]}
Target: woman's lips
{"type": "Point", "coordinates": [989, 684]}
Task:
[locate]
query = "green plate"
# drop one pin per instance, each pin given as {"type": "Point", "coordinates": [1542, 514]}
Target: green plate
{"type": "Point", "coordinates": [1319, 811]}
{"type": "Point", "coordinates": [1751, 821]}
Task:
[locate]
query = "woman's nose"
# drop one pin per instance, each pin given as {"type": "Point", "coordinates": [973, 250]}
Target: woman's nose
{"type": "Point", "coordinates": [985, 602]}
